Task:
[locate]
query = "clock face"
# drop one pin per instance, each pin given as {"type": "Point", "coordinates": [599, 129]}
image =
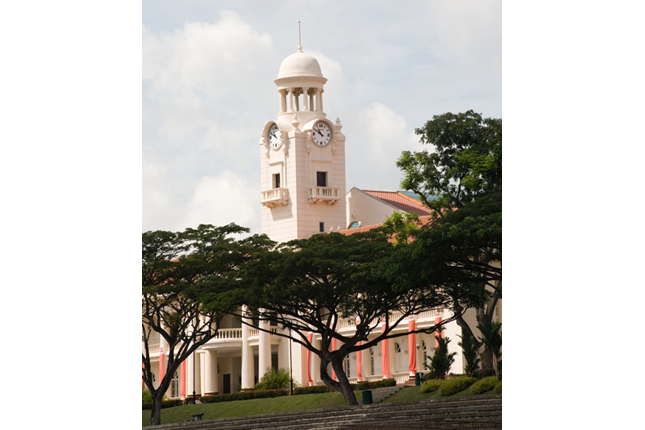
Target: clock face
{"type": "Point", "coordinates": [274, 137]}
{"type": "Point", "coordinates": [321, 134]}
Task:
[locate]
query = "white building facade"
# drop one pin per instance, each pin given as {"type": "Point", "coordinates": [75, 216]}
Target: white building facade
{"type": "Point", "coordinates": [303, 192]}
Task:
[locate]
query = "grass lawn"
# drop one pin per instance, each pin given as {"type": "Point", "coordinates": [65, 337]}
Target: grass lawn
{"type": "Point", "coordinates": [414, 393]}
{"type": "Point", "coordinates": [179, 414]}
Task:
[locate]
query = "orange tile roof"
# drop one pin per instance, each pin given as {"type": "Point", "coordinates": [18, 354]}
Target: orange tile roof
{"type": "Point", "coordinates": [422, 220]}
{"type": "Point", "coordinates": [401, 201]}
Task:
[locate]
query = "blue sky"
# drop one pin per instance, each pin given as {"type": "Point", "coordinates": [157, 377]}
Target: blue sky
{"type": "Point", "coordinates": [208, 71]}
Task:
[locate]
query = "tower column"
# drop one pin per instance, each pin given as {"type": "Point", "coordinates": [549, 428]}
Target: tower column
{"type": "Point", "coordinates": [359, 364]}
{"type": "Point", "coordinates": [305, 99]}
{"type": "Point", "coordinates": [283, 100]}
{"type": "Point", "coordinates": [290, 90]}
{"type": "Point", "coordinates": [319, 104]}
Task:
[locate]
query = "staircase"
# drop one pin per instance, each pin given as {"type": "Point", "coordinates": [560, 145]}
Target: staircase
{"type": "Point", "coordinates": [473, 412]}
{"type": "Point", "coordinates": [380, 394]}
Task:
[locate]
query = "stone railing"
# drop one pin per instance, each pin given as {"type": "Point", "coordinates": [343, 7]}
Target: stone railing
{"type": "Point", "coordinates": [229, 333]}
{"type": "Point", "coordinates": [275, 197]}
{"type": "Point", "coordinates": [324, 194]}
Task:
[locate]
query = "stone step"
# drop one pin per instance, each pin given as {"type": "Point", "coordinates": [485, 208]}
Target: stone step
{"type": "Point", "coordinates": [451, 412]}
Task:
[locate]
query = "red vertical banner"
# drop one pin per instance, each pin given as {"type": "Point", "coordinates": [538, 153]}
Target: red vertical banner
{"type": "Point", "coordinates": [385, 355]}
{"type": "Point", "coordinates": [333, 348]}
{"type": "Point", "coordinates": [182, 381]}
{"type": "Point", "coordinates": [412, 346]}
{"type": "Point", "coordinates": [162, 364]}
{"type": "Point", "coordinates": [437, 320]}
{"type": "Point", "coordinates": [359, 363]}
{"type": "Point", "coordinates": [310, 336]}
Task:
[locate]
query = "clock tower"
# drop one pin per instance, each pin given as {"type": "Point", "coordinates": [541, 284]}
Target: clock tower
{"type": "Point", "coordinates": [302, 157]}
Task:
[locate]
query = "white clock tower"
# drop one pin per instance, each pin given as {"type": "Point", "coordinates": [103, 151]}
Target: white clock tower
{"type": "Point", "coordinates": [302, 157]}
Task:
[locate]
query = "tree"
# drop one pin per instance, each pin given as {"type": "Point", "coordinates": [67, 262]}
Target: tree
{"type": "Point", "coordinates": [441, 360]}
{"type": "Point", "coordinates": [491, 337]}
{"type": "Point", "coordinates": [470, 353]}
{"type": "Point", "coordinates": [176, 269]}
{"type": "Point", "coordinates": [310, 285]}
{"type": "Point", "coordinates": [463, 244]}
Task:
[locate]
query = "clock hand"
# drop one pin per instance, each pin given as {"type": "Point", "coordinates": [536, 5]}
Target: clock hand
{"type": "Point", "coordinates": [319, 132]}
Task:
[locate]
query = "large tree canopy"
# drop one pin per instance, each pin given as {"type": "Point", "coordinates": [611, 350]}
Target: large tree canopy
{"type": "Point", "coordinates": [177, 268]}
{"type": "Point", "coordinates": [461, 179]}
{"type": "Point", "coordinates": [310, 285]}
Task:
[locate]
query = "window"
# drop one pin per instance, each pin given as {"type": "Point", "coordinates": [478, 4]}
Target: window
{"type": "Point", "coordinates": [347, 367]}
{"type": "Point", "coordinates": [397, 357]}
{"type": "Point", "coordinates": [424, 351]}
{"type": "Point", "coordinates": [174, 385]}
{"type": "Point", "coordinates": [321, 179]}
{"type": "Point", "coordinates": [372, 361]}
{"type": "Point", "coordinates": [322, 227]}
{"type": "Point", "coordinates": [276, 180]}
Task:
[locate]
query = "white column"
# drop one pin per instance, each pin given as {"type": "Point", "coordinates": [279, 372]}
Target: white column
{"type": "Point", "coordinates": [319, 104]}
{"type": "Point", "coordinates": [290, 99]}
{"type": "Point", "coordinates": [283, 99]}
{"type": "Point", "coordinates": [247, 356]}
{"type": "Point", "coordinates": [189, 375]}
{"type": "Point", "coordinates": [201, 359]}
{"type": "Point", "coordinates": [211, 373]}
{"type": "Point", "coordinates": [315, 363]}
{"type": "Point", "coordinates": [264, 351]}
{"type": "Point", "coordinates": [305, 99]}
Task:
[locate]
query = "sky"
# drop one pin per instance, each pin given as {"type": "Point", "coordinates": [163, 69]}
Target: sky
{"type": "Point", "coordinates": [208, 71]}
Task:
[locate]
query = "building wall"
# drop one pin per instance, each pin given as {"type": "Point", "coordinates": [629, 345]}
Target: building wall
{"type": "Point", "coordinates": [366, 209]}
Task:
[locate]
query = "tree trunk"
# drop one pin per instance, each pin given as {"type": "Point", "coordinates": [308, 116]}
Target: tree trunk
{"type": "Point", "coordinates": [155, 413]}
{"type": "Point", "coordinates": [342, 384]}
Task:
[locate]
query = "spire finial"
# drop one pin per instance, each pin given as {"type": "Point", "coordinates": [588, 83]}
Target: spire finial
{"type": "Point", "coordinates": [299, 44]}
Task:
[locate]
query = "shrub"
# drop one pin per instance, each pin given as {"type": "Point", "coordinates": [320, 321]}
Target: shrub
{"type": "Point", "coordinates": [498, 388]}
{"type": "Point", "coordinates": [431, 385]}
{"type": "Point", "coordinates": [366, 385]}
{"type": "Point", "coordinates": [455, 385]}
{"type": "Point", "coordinates": [484, 385]}
{"type": "Point", "coordinates": [483, 373]}
{"type": "Point", "coordinates": [274, 379]}
{"type": "Point", "coordinates": [317, 389]}
{"type": "Point", "coordinates": [146, 396]}
{"type": "Point", "coordinates": [244, 396]}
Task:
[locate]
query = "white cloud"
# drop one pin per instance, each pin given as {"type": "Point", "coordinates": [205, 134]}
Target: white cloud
{"type": "Point", "coordinates": [223, 199]}
{"type": "Point", "coordinates": [385, 135]}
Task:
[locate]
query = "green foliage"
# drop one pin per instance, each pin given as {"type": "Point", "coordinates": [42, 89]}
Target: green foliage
{"type": "Point", "coordinates": [491, 337]}
{"type": "Point", "coordinates": [401, 226]}
{"type": "Point", "coordinates": [431, 385]}
{"type": "Point", "coordinates": [316, 389]}
{"type": "Point", "coordinates": [146, 396]}
{"type": "Point", "coordinates": [442, 360]}
{"type": "Point", "coordinates": [309, 285]}
{"type": "Point", "coordinates": [246, 395]}
{"type": "Point", "coordinates": [484, 385]}
{"type": "Point", "coordinates": [455, 385]}
{"type": "Point", "coordinates": [367, 385]}
{"type": "Point", "coordinates": [274, 379]}
{"type": "Point", "coordinates": [470, 353]}
{"type": "Point", "coordinates": [164, 403]}
{"type": "Point", "coordinates": [498, 388]}
{"type": "Point", "coordinates": [466, 162]}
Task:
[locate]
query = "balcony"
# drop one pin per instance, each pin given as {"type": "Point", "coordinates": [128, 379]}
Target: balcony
{"type": "Point", "coordinates": [275, 197]}
{"type": "Point", "coordinates": [323, 194]}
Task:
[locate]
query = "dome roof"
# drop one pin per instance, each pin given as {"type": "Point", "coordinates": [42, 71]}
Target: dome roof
{"type": "Point", "coordinates": [299, 64]}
